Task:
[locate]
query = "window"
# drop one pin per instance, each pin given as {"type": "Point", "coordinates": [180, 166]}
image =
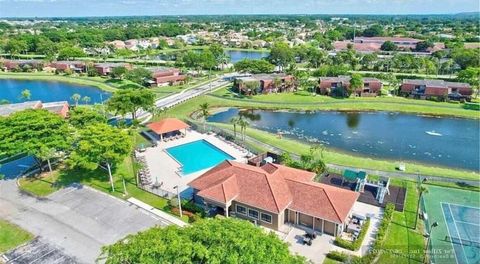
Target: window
{"type": "Point", "coordinates": [241, 210]}
{"type": "Point", "coordinates": [253, 213]}
{"type": "Point", "coordinates": [266, 218]}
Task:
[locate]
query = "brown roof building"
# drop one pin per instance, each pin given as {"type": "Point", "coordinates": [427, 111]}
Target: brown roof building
{"type": "Point", "coordinates": [167, 76]}
{"type": "Point", "coordinates": [266, 83]}
{"type": "Point", "coordinates": [272, 195]}
{"type": "Point", "coordinates": [426, 89]}
{"type": "Point", "coordinates": [328, 85]}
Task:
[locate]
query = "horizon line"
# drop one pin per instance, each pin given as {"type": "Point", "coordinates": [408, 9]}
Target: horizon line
{"type": "Point", "coordinates": [259, 14]}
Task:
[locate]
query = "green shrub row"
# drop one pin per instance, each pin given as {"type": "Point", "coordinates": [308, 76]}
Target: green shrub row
{"type": "Point", "coordinates": [373, 253]}
{"type": "Point", "coordinates": [355, 245]}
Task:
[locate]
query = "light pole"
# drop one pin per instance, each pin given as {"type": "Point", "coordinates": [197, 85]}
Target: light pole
{"type": "Point", "coordinates": [429, 237]}
{"type": "Point", "coordinates": [179, 200]}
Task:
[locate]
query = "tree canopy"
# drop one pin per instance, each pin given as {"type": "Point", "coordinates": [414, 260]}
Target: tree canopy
{"type": "Point", "coordinates": [254, 66]}
{"type": "Point", "coordinates": [137, 75]}
{"type": "Point", "coordinates": [130, 101]}
{"type": "Point", "coordinates": [100, 144]}
{"type": "Point", "coordinates": [281, 54]}
{"type": "Point", "coordinates": [208, 241]}
{"type": "Point", "coordinates": [33, 132]}
{"type": "Point", "coordinates": [83, 116]}
{"type": "Point", "coordinates": [388, 46]}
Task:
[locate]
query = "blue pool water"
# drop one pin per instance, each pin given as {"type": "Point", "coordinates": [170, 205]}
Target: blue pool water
{"type": "Point", "coordinates": [197, 155]}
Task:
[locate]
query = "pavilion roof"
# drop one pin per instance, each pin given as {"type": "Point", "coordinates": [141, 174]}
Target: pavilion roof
{"type": "Point", "coordinates": [167, 125]}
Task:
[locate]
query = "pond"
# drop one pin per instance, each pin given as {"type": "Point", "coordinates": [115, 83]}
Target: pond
{"type": "Point", "coordinates": [238, 55]}
{"type": "Point", "coordinates": [234, 55]}
{"type": "Point", "coordinates": [445, 142]}
{"type": "Point", "coordinates": [48, 91]}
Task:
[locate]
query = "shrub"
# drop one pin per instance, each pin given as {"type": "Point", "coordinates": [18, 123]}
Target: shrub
{"type": "Point", "coordinates": [174, 202]}
{"type": "Point", "coordinates": [338, 256]}
{"type": "Point", "coordinates": [192, 207]}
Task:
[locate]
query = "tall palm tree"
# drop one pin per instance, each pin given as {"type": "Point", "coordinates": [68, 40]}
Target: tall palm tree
{"type": "Point", "coordinates": [76, 97]}
{"type": "Point", "coordinates": [205, 113]}
{"type": "Point", "coordinates": [234, 122]}
{"type": "Point", "coordinates": [86, 99]}
{"type": "Point", "coordinates": [421, 190]}
{"type": "Point", "coordinates": [243, 127]}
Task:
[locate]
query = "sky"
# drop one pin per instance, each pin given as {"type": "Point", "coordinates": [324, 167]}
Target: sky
{"type": "Point", "coordinates": [81, 8]}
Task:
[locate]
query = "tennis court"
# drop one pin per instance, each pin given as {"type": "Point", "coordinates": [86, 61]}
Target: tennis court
{"type": "Point", "coordinates": [456, 239]}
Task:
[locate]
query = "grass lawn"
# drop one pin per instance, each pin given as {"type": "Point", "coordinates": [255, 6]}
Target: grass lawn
{"type": "Point", "coordinates": [12, 236]}
{"type": "Point", "coordinates": [403, 243]}
{"type": "Point", "coordinates": [164, 91]}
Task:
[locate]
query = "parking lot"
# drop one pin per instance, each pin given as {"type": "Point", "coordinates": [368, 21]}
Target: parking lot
{"type": "Point", "coordinates": [76, 221]}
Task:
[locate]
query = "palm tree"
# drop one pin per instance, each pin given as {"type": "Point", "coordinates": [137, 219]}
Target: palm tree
{"type": "Point", "coordinates": [205, 113]}
{"type": "Point", "coordinates": [277, 82]}
{"type": "Point", "coordinates": [86, 99]}
{"type": "Point", "coordinates": [421, 190]}
{"type": "Point", "coordinates": [318, 166]}
{"type": "Point", "coordinates": [76, 97]}
{"type": "Point", "coordinates": [26, 95]}
{"type": "Point", "coordinates": [243, 127]}
{"type": "Point", "coordinates": [234, 122]}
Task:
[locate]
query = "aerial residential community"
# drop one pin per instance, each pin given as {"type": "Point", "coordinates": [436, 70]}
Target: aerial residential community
{"type": "Point", "coordinates": [239, 131]}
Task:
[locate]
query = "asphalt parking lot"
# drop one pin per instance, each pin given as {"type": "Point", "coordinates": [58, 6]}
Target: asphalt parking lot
{"type": "Point", "coordinates": [76, 221]}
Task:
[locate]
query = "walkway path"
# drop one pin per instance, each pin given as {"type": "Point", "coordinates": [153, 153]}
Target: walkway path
{"type": "Point", "coordinates": [183, 96]}
{"type": "Point", "coordinates": [159, 213]}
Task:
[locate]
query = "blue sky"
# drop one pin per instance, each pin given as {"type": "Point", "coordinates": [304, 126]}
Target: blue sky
{"type": "Point", "coordinates": [48, 8]}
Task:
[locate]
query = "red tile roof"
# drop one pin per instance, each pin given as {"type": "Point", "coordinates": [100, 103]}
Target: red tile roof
{"type": "Point", "coordinates": [274, 188]}
{"type": "Point", "coordinates": [167, 125]}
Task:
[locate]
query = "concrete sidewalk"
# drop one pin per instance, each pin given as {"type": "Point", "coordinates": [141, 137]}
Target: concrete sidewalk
{"type": "Point", "coordinates": [165, 216]}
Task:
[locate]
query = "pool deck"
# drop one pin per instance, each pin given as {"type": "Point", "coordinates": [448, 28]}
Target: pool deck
{"type": "Point", "coordinates": [166, 170]}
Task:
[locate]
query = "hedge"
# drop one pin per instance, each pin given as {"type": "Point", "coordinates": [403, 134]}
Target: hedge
{"type": "Point", "coordinates": [370, 257]}
{"type": "Point", "coordinates": [355, 245]}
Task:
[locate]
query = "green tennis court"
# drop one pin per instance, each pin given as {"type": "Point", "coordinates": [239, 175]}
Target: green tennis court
{"type": "Point", "coordinates": [456, 239]}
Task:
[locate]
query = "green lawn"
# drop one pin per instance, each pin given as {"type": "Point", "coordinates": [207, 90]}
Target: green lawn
{"type": "Point", "coordinates": [403, 243]}
{"type": "Point", "coordinates": [330, 261]}
{"type": "Point", "coordinates": [12, 236]}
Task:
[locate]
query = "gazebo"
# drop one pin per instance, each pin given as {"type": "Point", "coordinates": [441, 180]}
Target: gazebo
{"type": "Point", "coordinates": [168, 126]}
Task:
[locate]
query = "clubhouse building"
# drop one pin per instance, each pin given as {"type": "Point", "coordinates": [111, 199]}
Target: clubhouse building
{"type": "Point", "coordinates": [274, 196]}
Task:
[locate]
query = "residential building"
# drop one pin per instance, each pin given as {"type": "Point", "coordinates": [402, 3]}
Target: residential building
{"type": "Point", "coordinates": [436, 89]}
{"type": "Point", "coordinates": [61, 108]}
{"type": "Point", "coordinates": [338, 85]}
{"type": "Point", "coordinates": [106, 68]}
{"type": "Point", "coordinates": [273, 196]}
{"type": "Point", "coordinates": [265, 84]}
{"type": "Point", "coordinates": [74, 66]}
{"type": "Point", "coordinates": [13, 65]}
{"type": "Point", "coordinates": [117, 44]}
{"type": "Point", "coordinates": [166, 76]}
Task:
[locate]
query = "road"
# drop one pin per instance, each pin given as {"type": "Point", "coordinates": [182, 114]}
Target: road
{"type": "Point", "coordinates": [184, 96]}
{"type": "Point", "coordinates": [75, 222]}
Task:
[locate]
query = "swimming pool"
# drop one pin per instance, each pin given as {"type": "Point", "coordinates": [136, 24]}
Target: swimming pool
{"type": "Point", "coordinates": [197, 155]}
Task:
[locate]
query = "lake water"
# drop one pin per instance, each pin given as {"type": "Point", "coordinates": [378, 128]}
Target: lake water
{"type": "Point", "coordinates": [48, 91]}
{"type": "Point", "coordinates": [450, 142]}
{"type": "Point", "coordinates": [238, 55]}
{"type": "Point", "coordinates": [235, 55]}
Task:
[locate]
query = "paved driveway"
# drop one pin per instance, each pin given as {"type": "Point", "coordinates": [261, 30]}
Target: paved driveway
{"type": "Point", "coordinates": [76, 220]}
